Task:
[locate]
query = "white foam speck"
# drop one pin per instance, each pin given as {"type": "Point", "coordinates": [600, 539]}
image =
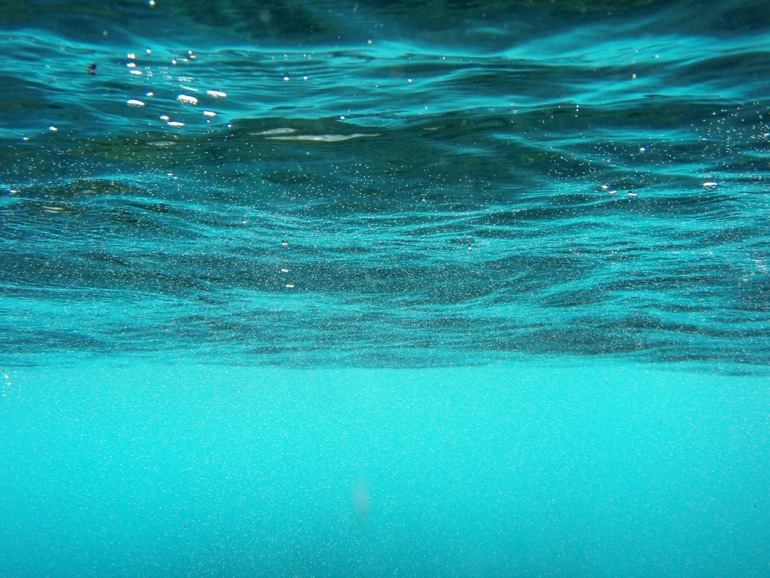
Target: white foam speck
{"type": "Point", "coordinates": [323, 137]}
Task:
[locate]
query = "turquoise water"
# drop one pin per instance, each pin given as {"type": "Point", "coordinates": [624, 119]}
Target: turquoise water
{"type": "Point", "coordinates": [525, 469]}
{"type": "Point", "coordinates": [384, 289]}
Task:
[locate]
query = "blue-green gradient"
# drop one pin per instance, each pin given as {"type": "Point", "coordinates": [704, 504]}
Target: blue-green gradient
{"type": "Point", "coordinates": [528, 469]}
{"type": "Point", "coordinates": [384, 288]}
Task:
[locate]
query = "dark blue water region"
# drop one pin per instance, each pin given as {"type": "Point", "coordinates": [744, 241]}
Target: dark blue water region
{"type": "Point", "coordinates": [483, 25]}
{"type": "Point", "coordinates": [536, 469]}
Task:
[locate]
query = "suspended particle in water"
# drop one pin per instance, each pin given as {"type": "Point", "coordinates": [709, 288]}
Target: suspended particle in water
{"type": "Point", "coordinates": [362, 503]}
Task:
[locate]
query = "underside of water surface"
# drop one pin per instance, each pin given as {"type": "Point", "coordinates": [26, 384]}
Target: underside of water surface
{"type": "Point", "coordinates": [371, 196]}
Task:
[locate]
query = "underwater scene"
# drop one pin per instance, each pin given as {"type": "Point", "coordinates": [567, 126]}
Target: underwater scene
{"type": "Point", "coordinates": [385, 288]}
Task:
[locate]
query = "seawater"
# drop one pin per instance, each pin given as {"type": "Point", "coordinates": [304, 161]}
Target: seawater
{"type": "Point", "coordinates": [384, 288]}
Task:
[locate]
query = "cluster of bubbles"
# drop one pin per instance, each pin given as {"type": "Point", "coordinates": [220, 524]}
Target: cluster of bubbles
{"type": "Point", "coordinates": [188, 95]}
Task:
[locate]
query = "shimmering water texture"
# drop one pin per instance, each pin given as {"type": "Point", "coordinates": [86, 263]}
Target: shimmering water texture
{"type": "Point", "coordinates": [386, 184]}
